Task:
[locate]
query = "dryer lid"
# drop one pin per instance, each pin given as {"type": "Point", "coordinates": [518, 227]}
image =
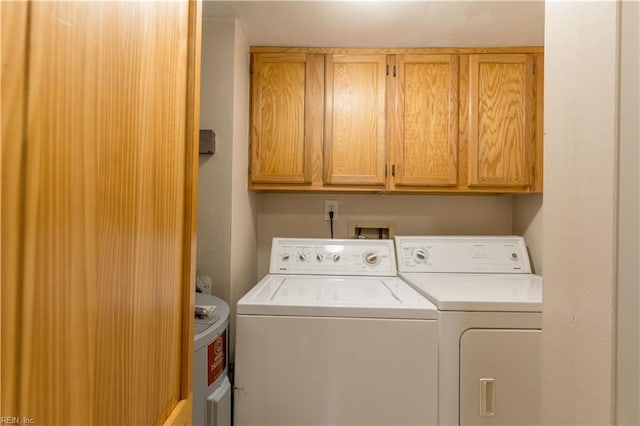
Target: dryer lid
{"type": "Point", "coordinates": [340, 296]}
{"type": "Point", "coordinates": [480, 292]}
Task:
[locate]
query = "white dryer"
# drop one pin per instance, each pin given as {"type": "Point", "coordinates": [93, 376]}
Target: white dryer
{"type": "Point", "coordinates": [489, 317]}
{"type": "Point", "coordinates": [331, 336]}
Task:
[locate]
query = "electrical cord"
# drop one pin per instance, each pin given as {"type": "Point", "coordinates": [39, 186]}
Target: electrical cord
{"type": "Point", "coordinates": [331, 222]}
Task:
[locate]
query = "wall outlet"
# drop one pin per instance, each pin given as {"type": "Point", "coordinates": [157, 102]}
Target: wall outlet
{"type": "Point", "coordinates": [330, 206]}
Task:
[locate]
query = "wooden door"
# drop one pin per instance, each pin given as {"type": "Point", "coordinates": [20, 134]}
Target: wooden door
{"type": "Point", "coordinates": [501, 120]}
{"type": "Point", "coordinates": [99, 178]}
{"type": "Point", "coordinates": [285, 116]}
{"type": "Point", "coordinates": [426, 139]}
{"type": "Point", "coordinates": [355, 122]}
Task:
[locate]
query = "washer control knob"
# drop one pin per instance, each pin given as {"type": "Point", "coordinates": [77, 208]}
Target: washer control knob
{"type": "Point", "coordinates": [320, 257]}
{"type": "Point", "coordinates": [514, 256]}
{"type": "Point", "coordinates": [420, 255]}
{"type": "Point", "coordinates": [302, 257]}
{"type": "Point", "coordinates": [285, 257]}
{"type": "Point", "coordinates": [371, 258]}
{"type": "Point", "coordinates": [336, 257]}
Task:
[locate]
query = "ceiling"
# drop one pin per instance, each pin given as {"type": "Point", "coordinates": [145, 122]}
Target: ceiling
{"type": "Point", "coordinates": [452, 23]}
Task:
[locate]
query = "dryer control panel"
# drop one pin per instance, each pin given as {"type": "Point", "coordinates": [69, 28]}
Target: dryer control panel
{"type": "Point", "coordinates": [332, 257]}
{"type": "Point", "coordinates": [463, 254]}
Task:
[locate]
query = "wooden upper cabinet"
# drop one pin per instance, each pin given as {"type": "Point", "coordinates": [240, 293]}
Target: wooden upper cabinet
{"type": "Point", "coordinates": [283, 104]}
{"type": "Point", "coordinates": [502, 145]}
{"type": "Point", "coordinates": [355, 119]}
{"type": "Point", "coordinates": [401, 120]}
{"type": "Point", "coordinates": [426, 135]}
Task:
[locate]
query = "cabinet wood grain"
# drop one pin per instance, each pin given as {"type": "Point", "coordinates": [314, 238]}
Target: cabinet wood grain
{"type": "Point", "coordinates": [501, 120]}
{"type": "Point", "coordinates": [355, 114]}
{"type": "Point", "coordinates": [280, 146]}
{"type": "Point", "coordinates": [410, 120]}
{"type": "Point", "coordinates": [426, 148]}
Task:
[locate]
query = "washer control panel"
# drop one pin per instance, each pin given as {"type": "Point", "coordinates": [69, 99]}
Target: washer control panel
{"type": "Point", "coordinates": [332, 257]}
{"type": "Point", "coordinates": [492, 254]}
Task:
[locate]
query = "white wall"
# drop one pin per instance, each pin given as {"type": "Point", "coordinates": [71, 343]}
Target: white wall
{"type": "Point", "coordinates": [215, 174]}
{"type": "Point", "coordinates": [301, 215]}
{"type": "Point", "coordinates": [244, 204]}
{"type": "Point", "coordinates": [527, 221]}
{"type": "Point", "coordinates": [628, 354]}
{"type": "Point", "coordinates": [227, 212]}
{"type": "Point", "coordinates": [580, 191]}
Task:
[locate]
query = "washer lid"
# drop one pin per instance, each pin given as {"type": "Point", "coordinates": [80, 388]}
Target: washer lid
{"type": "Point", "coordinates": [480, 292]}
{"type": "Point", "coordinates": [329, 296]}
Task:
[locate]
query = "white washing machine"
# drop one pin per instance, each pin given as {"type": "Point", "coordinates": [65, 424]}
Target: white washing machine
{"type": "Point", "coordinates": [489, 317]}
{"type": "Point", "coordinates": [331, 336]}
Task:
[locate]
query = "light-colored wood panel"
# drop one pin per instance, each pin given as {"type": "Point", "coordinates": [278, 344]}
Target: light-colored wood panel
{"type": "Point", "coordinates": [463, 120]}
{"type": "Point", "coordinates": [182, 413]}
{"type": "Point", "coordinates": [103, 260]}
{"type": "Point", "coordinates": [59, 272]}
{"type": "Point", "coordinates": [394, 119]}
{"type": "Point", "coordinates": [141, 211]}
{"type": "Point", "coordinates": [450, 170]}
{"type": "Point", "coordinates": [279, 145]}
{"type": "Point", "coordinates": [314, 119]}
{"type": "Point", "coordinates": [538, 119]}
{"type": "Point", "coordinates": [500, 135]}
{"type": "Point", "coordinates": [14, 38]}
{"type": "Point", "coordinates": [428, 120]}
{"type": "Point", "coordinates": [355, 114]}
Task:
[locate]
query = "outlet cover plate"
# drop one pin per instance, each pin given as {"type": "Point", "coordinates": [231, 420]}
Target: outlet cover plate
{"type": "Point", "coordinates": [330, 205]}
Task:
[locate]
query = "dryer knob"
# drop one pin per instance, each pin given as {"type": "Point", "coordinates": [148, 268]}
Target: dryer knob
{"type": "Point", "coordinates": [285, 257]}
{"type": "Point", "coordinates": [371, 258]}
{"type": "Point", "coordinates": [302, 257]}
{"type": "Point", "coordinates": [336, 258]}
{"type": "Point", "coordinates": [319, 257]}
{"type": "Point", "coordinates": [421, 255]}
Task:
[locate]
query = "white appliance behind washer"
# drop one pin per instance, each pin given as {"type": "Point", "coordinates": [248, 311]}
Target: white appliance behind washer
{"type": "Point", "coordinates": [489, 322]}
{"type": "Point", "coordinates": [211, 386]}
{"type": "Point", "coordinates": [331, 336]}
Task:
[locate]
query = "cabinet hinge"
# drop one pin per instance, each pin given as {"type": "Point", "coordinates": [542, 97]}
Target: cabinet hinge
{"type": "Point", "coordinates": [393, 170]}
{"type": "Point", "coordinates": [385, 170]}
{"type": "Point", "coordinates": [394, 70]}
{"type": "Point", "coordinates": [387, 69]}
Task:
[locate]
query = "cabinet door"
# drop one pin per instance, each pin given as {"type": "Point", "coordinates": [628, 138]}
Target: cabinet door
{"type": "Point", "coordinates": [500, 377]}
{"type": "Point", "coordinates": [426, 148]}
{"type": "Point", "coordinates": [501, 120]}
{"type": "Point", "coordinates": [281, 99]}
{"type": "Point", "coordinates": [355, 140]}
